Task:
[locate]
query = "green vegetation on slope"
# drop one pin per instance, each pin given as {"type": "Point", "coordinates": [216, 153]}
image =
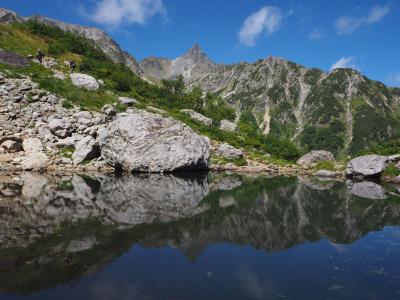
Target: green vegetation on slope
{"type": "Point", "coordinates": [119, 80]}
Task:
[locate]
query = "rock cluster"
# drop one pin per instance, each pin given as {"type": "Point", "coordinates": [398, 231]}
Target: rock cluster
{"type": "Point", "coordinates": [35, 128]}
{"type": "Point", "coordinates": [38, 133]}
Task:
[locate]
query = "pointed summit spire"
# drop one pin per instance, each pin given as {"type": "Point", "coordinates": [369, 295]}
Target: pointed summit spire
{"type": "Point", "coordinates": [195, 50]}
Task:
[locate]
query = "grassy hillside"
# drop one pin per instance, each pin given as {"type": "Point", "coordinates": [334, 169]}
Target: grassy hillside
{"type": "Point", "coordinates": [120, 81]}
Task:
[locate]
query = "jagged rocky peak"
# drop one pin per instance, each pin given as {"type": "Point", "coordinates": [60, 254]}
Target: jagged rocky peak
{"type": "Point", "coordinates": [197, 54]}
{"type": "Point", "coordinates": [8, 16]}
{"type": "Point", "coordinates": [193, 63]}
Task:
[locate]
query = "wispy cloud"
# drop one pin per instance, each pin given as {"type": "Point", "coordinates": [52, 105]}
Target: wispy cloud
{"type": "Point", "coordinates": [267, 19]}
{"type": "Point", "coordinates": [393, 79]}
{"type": "Point", "coordinates": [347, 25]}
{"type": "Point", "coordinates": [345, 62]}
{"type": "Point", "coordinates": [316, 34]}
{"type": "Point", "coordinates": [114, 13]}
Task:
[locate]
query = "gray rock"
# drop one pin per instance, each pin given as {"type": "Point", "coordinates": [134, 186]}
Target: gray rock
{"type": "Point", "coordinates": [227, 126]}
{"type": "Point", "coordinates": [325, 173]}
{"type": "Point", "coordinates": [394, 158]}
{"type": "Point", "coordinates": [35, 157]}
{"type": "Point", "coordinates": [127, 101]}
{"type": "Point", "coordinates": [108, 110]}
{"type": "Point", "coordinates": [85, 149]}
{"type": "Point", "coordinates": [315, 156]}
{"type": "Point", "coordinates": [12, 59]}
{"type": "Point", "coordinates": [366, 189]}
{"type": "Point", "coordinates": [367, 166]}
{"type": "Point", "coordinates": [197, 117]}
{"type": "Point", "coordinates": [11, 146]}
{"type": "Point", "coordinates": [145, 142]}
{"type": "Point", "coordinates": [59, 127]}
{"type": "Point", "coordinates": [84, 81]}
{"type": "Point", "coordinates": [228, 151]}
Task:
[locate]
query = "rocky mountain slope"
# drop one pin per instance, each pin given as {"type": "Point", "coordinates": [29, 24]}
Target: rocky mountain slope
{"type": "Point", "coordinates": [342, 110]}
{"type": "Point", "coordinates": [97, 36]}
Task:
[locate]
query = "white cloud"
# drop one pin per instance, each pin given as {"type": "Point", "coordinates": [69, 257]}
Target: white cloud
{"type": "Point", "coordinates": [316, 34]}
{"type": "Point", "coordinates": [347, 25]}
{"type": "Point", "coordinates": [267, 19]}
{"type": "Point", "coordinates": [345, 62]}
{"type": "Point", "coordinates": [393, 79]}
{"type": "Point", "coordinates": [114, 13]}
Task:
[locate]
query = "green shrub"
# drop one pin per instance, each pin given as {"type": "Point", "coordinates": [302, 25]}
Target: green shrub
{"type": "Point", "coordinates": [325, 165]}
{"type": "Point", "coordinates": [391, 170]}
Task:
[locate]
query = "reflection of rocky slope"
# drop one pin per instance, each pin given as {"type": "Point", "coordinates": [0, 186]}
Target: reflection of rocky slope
{"type": "Point", "coordinates": [34, 205]}
{"type": "Point", "coordinates": [39, 217]}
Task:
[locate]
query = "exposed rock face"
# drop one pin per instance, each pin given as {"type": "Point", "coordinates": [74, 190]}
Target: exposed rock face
{"type": "Point", "coordinates": [315, 156]}
{"type": "Point", "coordinates": [367, 166]}
{"type": "Point", "coordinates": [197, 117]}
{"type": "Point", "coordinates": [313, 102]}
{"type": "Point", "coordinates": [97, 36]}
{"type": "Point", "coordinates": [366, 189]}
{"type": "Point", "coordinates": [227, 126]}
{"type": "Point", "coordinates": [228, 151]}
{"type": "Point", "coordinates": [35, 157]}
{"type": "Point", "coordinates": [12, 59]}
{"type": "Point", "coordinates": [144, 142]}
{"type": "Point", "coordinates": [192, 63]}
{"type": "Point", "coordinates": [84, 81]}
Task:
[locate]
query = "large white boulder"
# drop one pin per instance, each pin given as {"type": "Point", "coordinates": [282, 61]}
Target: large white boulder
{"type": "Point", "coordinates": [84, 81]}
{"type": "Point", "coordinates": [315, 156]}
{"type": "Point", "coordinates": [367, 166]}
{"type": "Point", "coordinates": [140, 141]}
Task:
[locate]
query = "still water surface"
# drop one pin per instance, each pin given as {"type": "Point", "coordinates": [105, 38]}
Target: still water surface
{"type": "Point", "coordinates": [197, 237]}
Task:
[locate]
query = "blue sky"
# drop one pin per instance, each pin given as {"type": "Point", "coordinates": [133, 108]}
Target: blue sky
{"type": "Point", "coordinates": [363, 34]}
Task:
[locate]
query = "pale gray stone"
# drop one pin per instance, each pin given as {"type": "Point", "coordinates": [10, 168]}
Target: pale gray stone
{"type": "Point", "coordinates": [84, 81]}
{"type": "Point", "coordinates": [315, 156]}
{"type": "Point", "coordinates": [367, 166]}
{"type": "Point", "coordinates": [145, 142]}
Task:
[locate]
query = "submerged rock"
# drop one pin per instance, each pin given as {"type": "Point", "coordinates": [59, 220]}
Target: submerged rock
{"type": "Point", "coordinates": [367, 166]}
{"type": "Point", "coordinates": [325, 173]}
{"type": "Point", "coordinates": [140, 141]}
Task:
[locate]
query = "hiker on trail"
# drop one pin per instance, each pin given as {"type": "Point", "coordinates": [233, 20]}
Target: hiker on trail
{"type": "Point", "coordinates": [40, 55]}
{"type": "Point", "coordinates": [72, 65]}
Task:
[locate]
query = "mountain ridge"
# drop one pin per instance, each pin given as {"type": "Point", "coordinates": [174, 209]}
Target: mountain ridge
{"type": "Point", "coordinates": [307, 105]}
{"type": "Point", "coordinates": [341, 110]}
{"type": "Point", "coordinates": [99, 37]}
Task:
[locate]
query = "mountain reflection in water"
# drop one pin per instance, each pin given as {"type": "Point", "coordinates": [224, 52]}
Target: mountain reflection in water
{"type": "Point", "coordinates": [55, 230]}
